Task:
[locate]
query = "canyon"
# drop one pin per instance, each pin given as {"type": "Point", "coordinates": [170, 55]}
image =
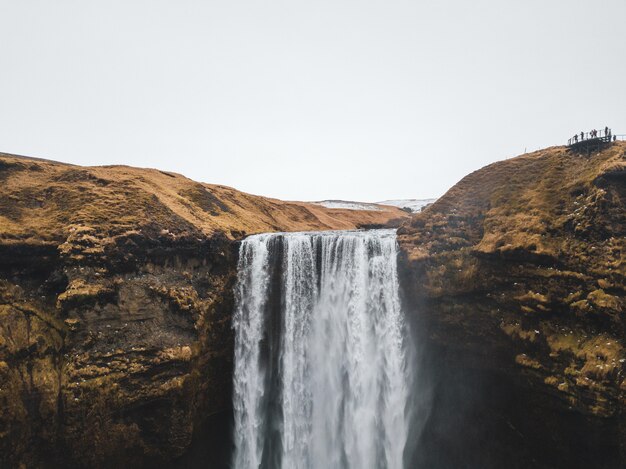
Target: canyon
{"type": "Point", "coordinates": [117, 298]}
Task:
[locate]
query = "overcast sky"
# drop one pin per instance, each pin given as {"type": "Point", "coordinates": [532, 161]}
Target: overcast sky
{"type": "Point", "coordinates": [307, 100]}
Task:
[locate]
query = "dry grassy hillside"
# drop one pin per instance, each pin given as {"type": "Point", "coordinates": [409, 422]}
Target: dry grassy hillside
{"type": "Point", "coordinates": [43, 201]}
{"type": "Point", "coordinates": [526, 201]}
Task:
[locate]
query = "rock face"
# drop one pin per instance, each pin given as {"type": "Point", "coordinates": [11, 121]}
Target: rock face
{"type": "Point", "coordinates": [516, 282]}
{"type": "Point", "coordinates": [122, 365]}
{"type": "Point", "coordinates": [115, 308]}
{"type": "Point", "coordinates": [116, 296]}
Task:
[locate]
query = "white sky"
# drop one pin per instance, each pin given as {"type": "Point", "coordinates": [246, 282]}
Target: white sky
{"type": "Point", "coordinates": [318, 99]}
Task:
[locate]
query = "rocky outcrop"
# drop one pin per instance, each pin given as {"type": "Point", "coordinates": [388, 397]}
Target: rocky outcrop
{"type": "Point", "coordinates": [115, 309]}
{"type": "Point", "coordinates": [516, 281]}
{"type": "Point", "coordinates": [116, 295]}
{"type": "Point", "coordinates": [123, 364]}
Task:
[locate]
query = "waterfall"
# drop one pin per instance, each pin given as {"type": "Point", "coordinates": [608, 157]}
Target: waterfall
{"type": "Point", "coordinates": [321, 374]}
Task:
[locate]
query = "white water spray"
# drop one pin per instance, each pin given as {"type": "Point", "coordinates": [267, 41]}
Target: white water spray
{"type": "Point", "coordinates": [321, 377]}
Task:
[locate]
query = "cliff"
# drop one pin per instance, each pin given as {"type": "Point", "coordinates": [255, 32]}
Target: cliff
{"type": "Point", "coordinates": [516, 281]}
{"type": "Point", "coordinates": [115, 308]}
{"type": "Point", "coordinates": [116, 299]}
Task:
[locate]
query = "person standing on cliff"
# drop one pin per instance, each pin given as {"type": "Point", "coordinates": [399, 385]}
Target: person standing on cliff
{"type": "Point", "coordinates": [607, 132]}
{"type": "Point", "coordinates": [582, 136]}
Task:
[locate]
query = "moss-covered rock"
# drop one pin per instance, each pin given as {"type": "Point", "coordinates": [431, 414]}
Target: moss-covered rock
{"type": "Point", "coordinates": [518, 274]}
{"type": "Point", "coordinates": [115, 307]}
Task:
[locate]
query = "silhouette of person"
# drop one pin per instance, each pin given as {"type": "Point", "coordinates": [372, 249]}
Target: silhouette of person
{"type": "Point", "coordinates": [606, 131]}
{"type": "Point", "coordinates": [582, 136]}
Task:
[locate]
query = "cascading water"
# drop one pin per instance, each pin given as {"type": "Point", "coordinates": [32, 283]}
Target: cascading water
{"type": "Point", "coordinates": [321, 371]}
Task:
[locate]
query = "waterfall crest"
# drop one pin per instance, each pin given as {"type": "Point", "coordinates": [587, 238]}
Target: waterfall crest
{"type": "Point", "coordinates": [321, 376]}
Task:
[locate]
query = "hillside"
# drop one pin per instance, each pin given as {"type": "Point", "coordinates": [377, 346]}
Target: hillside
{"type": "Point", "coordinates": [43, 201]}
{"type": "Point", "coordinates": [518, 282]}
{"type": "Point", "coordinates": [116, 296]}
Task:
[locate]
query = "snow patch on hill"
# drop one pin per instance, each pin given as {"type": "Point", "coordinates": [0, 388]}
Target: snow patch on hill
{"type": "Point", "coordinates": [414, 205]}
{"type": "Point", "coordinates": [348, 205]}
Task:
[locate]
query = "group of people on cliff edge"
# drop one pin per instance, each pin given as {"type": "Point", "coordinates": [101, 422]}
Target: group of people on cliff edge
{"type": "Point", "coordinates": [593, 134]}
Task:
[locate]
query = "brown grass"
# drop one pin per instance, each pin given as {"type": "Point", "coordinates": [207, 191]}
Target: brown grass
{"type": "Point", "coordinates": [44, 201]}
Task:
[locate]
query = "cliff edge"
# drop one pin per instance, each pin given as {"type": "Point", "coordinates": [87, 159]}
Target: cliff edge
{"type": "Point", "coordinates": [516, 277]}
{"type": "Point", "coordinates": [115, 309]}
